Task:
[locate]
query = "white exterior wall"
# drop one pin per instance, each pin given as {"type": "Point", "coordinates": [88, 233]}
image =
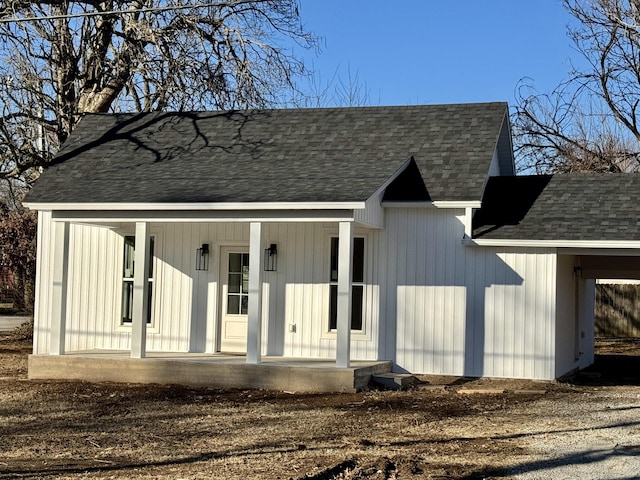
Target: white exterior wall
{"type": "Point", "coordinates": [296, 294]}
{"type": "Point", "coordinates": [432, 305]}
{"type": "Point", "coordinates": [462, 310]}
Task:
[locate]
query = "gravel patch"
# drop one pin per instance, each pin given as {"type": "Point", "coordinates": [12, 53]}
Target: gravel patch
{"type": "Point", "coordinates": [593, 437]}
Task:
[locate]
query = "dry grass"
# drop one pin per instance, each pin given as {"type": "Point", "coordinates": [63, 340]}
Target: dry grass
{"type": "Point", "coordinates": [55, 429]}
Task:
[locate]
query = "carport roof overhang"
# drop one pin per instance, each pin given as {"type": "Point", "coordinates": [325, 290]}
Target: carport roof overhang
{"type": "Point", "coordinates": [569, 247]}
{"type": "Point", "coordinates": [596, 259]}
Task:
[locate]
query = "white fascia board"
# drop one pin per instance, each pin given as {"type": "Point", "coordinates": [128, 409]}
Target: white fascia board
{"type": "Point", "coordinates": [178, 216]}
{"type": "Point", "coordinates": [609, 252]}
{"type": "Point", "coordinates": [607, 244]}
{"type": "Point", "coordinates": [251, 206]}
{"type": "Point", "coordinates": [453, 204]}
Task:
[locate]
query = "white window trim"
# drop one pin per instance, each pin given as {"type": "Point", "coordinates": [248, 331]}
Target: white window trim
{"type": "Point", "coordinates": [153, 326]}
{"type": "Point", "coordinates": [357, 335]}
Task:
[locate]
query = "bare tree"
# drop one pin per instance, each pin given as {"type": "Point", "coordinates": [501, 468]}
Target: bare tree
{"type": "Point", "coordinates": [339, 90]}
{"type": "Point", "coordinates": [62, 58]}
{"type": "Point", "coordinates": [590, 122]}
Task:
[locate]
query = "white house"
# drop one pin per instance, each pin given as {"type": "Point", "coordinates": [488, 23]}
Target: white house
{"type": "Point", "coordinates": [447, 263]}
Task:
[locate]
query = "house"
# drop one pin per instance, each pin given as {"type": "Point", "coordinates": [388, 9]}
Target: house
{"type": "Point", "coordinates": [398, 235]}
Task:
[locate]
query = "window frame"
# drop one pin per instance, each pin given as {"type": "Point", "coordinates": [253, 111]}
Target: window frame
{"type": "Point", "coordinates": [153, 312]}
{"type": "Point", "coordinates": [333, 284]}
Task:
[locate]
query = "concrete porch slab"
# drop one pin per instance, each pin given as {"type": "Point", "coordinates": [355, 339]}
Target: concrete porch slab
{"type": "Point", "coordinates": [216, 371]}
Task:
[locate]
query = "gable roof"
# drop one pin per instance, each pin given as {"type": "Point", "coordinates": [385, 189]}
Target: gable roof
{"type": "Point", "coordinates": [288, 155]}
{"type": "Point", "coordinates": [578, 206]}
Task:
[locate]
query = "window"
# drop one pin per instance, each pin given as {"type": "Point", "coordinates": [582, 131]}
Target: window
{"type": "Point", "coordinates": [127, 279]}
{"type": "Point", "coordinates": [357, 284]}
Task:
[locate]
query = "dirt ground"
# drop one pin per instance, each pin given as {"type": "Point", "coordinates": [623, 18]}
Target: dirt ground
{"type": "Point", "coordinates": [465, 430]}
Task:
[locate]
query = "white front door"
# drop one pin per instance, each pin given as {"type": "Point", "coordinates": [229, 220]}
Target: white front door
{"type": "Point", "coordinates": [234, 281]}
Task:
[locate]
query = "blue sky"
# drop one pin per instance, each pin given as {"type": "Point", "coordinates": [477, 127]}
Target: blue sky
{"type": "Point", "coordinates": [441, 51]}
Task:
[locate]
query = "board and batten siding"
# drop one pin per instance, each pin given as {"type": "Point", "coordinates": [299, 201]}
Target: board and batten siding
{"type": "Point", "coordinates": [431, 304]}
{"type": "Point", "coordinates": [185, 301]}
{"type": "Point", "coordinates": [460, 310]}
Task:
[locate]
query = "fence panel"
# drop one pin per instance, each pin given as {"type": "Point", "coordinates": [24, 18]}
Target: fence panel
{"type": "Point", "coordinates": [617, 311]}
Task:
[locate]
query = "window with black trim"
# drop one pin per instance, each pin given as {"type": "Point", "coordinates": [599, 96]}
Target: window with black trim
{"type": "Point", "coordinates": [128, 264]}
{"type": "Point", "coordinates": [357, 284]}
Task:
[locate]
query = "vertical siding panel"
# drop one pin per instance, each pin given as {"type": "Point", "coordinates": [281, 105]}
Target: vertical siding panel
{"type": "Point", "coordinates": [289, 294]}
{"type": "Point", "coordinates": [401, 301]}
{"type": "Point", "coordinates": [513, 355]}
{"type": "Point", "coordinates": [42, 307]}
{"type": "Point", "coordinates": [421, 286]}
{"type": "Point", "coordinates": [409, 301]}
{"type": "Point", "coordinates": [73, 305]}
{"type": "Point", "coordinates": [303, 347]}
{"type": "Point", "coordinates": [440, 314]}
{"type": "Point", "coordinates": [98, 312]}
{"type": "Point", "coordinates": [460, 305]}
{"type": "Point", "coordinates": [173, 281]}
{"type": "Point", "coordinates": [450, 326]}
{"type": "Point", "coordinates": [84, 257]}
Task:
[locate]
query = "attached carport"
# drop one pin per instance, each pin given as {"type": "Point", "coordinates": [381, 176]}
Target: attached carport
{"type": "Point", "coordinates": [591, 221]}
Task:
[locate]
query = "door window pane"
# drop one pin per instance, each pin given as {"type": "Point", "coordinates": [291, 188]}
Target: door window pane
{"type": "Point", "coordinates": [244, 305]}
{"type": "Point", "coordinates": [235, 262]}
{"type": "Point", "coordinates": [234, 282]}
{"type": "Point", "coordinates": [233, 304]}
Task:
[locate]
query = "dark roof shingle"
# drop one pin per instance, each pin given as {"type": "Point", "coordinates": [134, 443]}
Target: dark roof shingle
{"type": "Point", "coordinates": [579, 206]}
{"type": "Point", "coordinates": [288, 155]}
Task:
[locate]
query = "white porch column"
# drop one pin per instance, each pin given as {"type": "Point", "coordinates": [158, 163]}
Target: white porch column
{"type": "Point", "coordinates": [345, 265]}
{"type": "Point", "coordinates": [254, 330]}
{"type": "Point", "coordinates": [140, 291]}
{"type": "Point", "coordinates": [60, 276]}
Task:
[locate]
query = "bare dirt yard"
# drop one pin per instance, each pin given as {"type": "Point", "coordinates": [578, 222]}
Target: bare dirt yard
{"type": "Point", "coordinates": [586, 428]}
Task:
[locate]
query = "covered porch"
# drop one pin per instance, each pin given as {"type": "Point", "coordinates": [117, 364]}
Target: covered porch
{"type": "Point", "coordinates": [195, 327]}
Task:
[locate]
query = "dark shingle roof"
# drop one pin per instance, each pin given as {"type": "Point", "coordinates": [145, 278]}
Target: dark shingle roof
{"type": "Point", "coordinates": [289, 155]}
{"type": "Point", "coordinates": [581, 206]}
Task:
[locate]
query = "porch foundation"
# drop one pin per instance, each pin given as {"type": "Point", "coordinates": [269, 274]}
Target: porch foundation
{"type": "Point", "coordinates": [215, 371]}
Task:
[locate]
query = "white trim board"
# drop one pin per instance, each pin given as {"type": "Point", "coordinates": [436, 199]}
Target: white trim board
{"type": "Point", "coordinates": [250, 206]}
{"type": "Point", "coordinates": [606, 244]}
{"type": "Point", "coordinates": [436, 204]}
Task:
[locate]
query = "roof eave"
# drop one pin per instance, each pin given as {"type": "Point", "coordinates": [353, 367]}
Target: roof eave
{"type": "Point", "coordinates": [212, 206]}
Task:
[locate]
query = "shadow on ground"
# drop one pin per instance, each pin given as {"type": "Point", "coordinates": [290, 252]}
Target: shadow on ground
{"type": "Point", "coordinates": [610, 369]}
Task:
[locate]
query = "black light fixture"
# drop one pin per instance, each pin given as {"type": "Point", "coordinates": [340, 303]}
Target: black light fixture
{"type": "Point", "coordinates": [202, 257]}
{"type": "Point", "coordinates": [271, 258]}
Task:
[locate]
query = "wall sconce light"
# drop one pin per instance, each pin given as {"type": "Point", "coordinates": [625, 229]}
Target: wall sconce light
{"type": "Point", "coordinates": [271, 258]}
{"type": "Point", "coordinates": [202, 257]}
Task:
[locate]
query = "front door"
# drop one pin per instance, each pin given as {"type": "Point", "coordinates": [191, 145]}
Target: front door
{"type": "Point", "coordinates": [234, 281]}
